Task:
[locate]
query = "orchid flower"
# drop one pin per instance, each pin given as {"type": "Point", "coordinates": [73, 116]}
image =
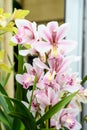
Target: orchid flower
{"type": "Point", "coordinates": [60, 64]}
{"type": "Point", "coordinates": [27, 79]}
{"type": "Point", "coordinates": [66, 118]}
{"type": "Point", "coordinates": [55, 78]}
{"type": "Point", "coordinates": [70, 83]}
{"type": "Point", "coordinates": [53, 36]}
{"type": "Point", "coordinates": [26, 34]}
{"type": "Point", "coordinates": [82, 95]}
{"type": "Point", "coordinates": [50, 98]}
{"type": "Point", "coordinates": [49, 80]}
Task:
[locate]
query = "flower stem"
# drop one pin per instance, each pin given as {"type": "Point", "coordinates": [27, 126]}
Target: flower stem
{"type": "Point", "coordinates": [48, 121]}
{"type": "Point", "coordinates": [34, 86]}
{"type": "Point", "coordinates": [20, 70]}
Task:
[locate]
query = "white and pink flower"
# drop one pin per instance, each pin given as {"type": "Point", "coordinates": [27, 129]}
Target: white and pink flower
{"type": "Point", "coordinates": [54, 77]}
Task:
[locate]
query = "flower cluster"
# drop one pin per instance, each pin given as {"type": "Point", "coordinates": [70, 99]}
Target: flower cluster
{"type": "Point", "coordinates": [50, 72]}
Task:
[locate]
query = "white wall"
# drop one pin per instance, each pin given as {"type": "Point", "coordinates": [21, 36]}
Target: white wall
{"type": "Point", "coordinates": [74, 16]}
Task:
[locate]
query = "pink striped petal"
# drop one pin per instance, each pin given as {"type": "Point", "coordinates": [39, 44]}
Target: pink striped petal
{"type": "Point", "coordinates": [40, 64]}
{"type": "Point", "coordinates": [62, 31]}
{"type": "Point", "coordinates": [44, 33]}
{"type": "Point", "coordinates": [52, 26]}
{"type": "Point", "coordinates": [23, 22]}
{"type": "Point", "coordinates": [42, 47]}
{"type": "Point", "coordinates": [67, 45]}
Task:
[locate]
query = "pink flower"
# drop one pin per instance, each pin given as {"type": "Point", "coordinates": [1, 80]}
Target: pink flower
{"type": "Point", "coordinates": [37, 68]}
{"type": "Point", "coordinates": [53, 36]}
{"type": "Point", "coordinates": [26, 34]}
{"type": "Point", "coordinates": [69, 121]}
{"type": "Point", "coordinates": [66, 118]}
{"type": "Point", "coordinates": [82, 95]}
{"type": "Point", "coordinates": [70, 83]}
{"type": "Point", "coordinates": [61, 64]}
{"type": "Point", "coordinates": [26, 80]}
{"type": "Point", "coordinates": [48, 81]}
{"type": "Point", "coordinates": [46, 97]}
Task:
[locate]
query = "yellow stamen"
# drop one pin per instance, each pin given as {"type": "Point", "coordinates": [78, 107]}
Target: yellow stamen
{"type": "Point", "coordinates": [51, 76]}
{"type": "Point", "coordinates": [68, 120]}
{"type": "Point", "coordinates": [28, 79]}
{"type": "Point", "coordinates": [54, 51]}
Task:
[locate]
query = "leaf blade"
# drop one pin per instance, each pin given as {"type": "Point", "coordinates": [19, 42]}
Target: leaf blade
{"type": "Point", "coordinates": [84, 80]}
{"type": "Point", "coordinates": [56, 108]}
{"type": "Point", "coordinates": [23, 114]}
{"type": "Point", "coordinates": [4, 119]}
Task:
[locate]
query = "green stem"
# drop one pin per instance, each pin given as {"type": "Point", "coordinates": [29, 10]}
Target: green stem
{"type": "Point", "coordinates": [8, 75]}
{"type": "Point", "coordinates": [6, 80]}
{"type": "Point", "coordinates": [34, 86]}
{"type": "Point", "coordinates": [20, 70]}
{"type": "Point", "coordinates": [2, 33]}
{"type": "Point", "coordinates": [84, 80]}
{"type": "Point", "coordinates": [48, 121]}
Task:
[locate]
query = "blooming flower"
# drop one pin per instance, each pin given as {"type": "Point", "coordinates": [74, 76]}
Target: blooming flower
{"type": "Point", "coordinates": [27, 33]}
{"type": "Point", "coordinates": [27, 79]}
{"type": "Point", "coordinates": [54, 77]}
{"type": "Point", "coordinates": [54, 38]}
{"type": "Point", "coordinates": [66, 118]}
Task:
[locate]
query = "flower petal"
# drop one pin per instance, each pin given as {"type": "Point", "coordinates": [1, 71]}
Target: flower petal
{"type": "Point", "coordinates": [44, 33]}
{"type": "Point", "coordinates": [24, 52]}
{"type": "Point", "coordinates": [22, 22]}
{"type": "Point", "coordinates": [62, 31]}
{"type": "Point", "coordinates": [52, 26]}
{"type": "Point", "coordinates": [42, 47]}
{"type": "Point", "coordinates": [28, 67]}
{"type": "Point", "coordinates": [40, 64]}
{"type": "Point", "coordinates": [19, 78]}
{"type": "Point", "coordinates": [67, 45]}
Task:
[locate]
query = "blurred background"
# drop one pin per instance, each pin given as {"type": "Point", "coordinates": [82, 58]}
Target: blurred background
{"type": "Point", "coordinates": [71, 11]}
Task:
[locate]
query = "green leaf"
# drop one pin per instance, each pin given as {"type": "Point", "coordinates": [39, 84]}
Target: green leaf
{"type": "Point", "coordinates": [12, 43]}
{"type": "Point", "coordinates": [84, 80]}
{"type": "Point", "coordinates": [19, 125]}
{"type": "Point", "coordinates": [48, 129]}
{"type": "Point", "coordinates": [15, 30]}
{"type": "Point", "coordinates": [56, 108]}
{"type": "Point", "coordinates": [3, 118]}
{"type": "Point", "coordinates": [24, 119]}
{"type": "Point", "coordinates": [1, 10]}
{"type": "Point", "coordinates": [2, 90]}
{"type": "Point", "coordinates": [6, 15]}
{"type": "Point", "coordinates": [4, 107]}
{"type": "Point", "coordinates": [4, 95]}
{"type": "Point", "coordinates": [23, 114]}
{"type": "Point", "coordinates": [1, 55]}
{"type": "Point", "coordinates": [8, 28]}
{"type": "Point", "coordinates": [4, 67]}
{"type": "Point", "coordinates": [2, 33]}
{"type": "Point", "coordinates": [20, 13]}
{"type": "Point", "coordinates": [3, 104]}
{"type": "Point", "coordinates": [27, 46]}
